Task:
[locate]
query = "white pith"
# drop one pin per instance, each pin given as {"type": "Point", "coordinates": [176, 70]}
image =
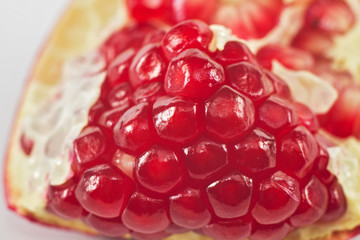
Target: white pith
{"type": "Point", "coordinates": [58, 122]}
{"type": "Point", "coordinates": [59, 170]}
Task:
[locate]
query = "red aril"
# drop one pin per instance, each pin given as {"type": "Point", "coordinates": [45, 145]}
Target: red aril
{"type": "Point", "coordinates": [297, 151]}
{"type": "Point", "coordinates": [145, 214]}
{"type": "Point", "coordinates": [96, 194]}
{"type": "Point", "coordinates": [249, 80]}
{"type": "Point", "coordinates": [234, 52]}
{"type": "Point", "coordinates": [312, 41]}
{"type": "Point", "coordinates": [89, 147]}
{"type": "Point", "coordinates": [181, 10]}
{"type": "Point", "coordinates": [230, 196]}
{"type": "Point", "coordinates": [147, 66]}
{"type": "Point", "coordinates": [205, 158]}
{"type": "Point", "coordinates": [149, 92]}
{"type": "Point", "coordinates": [249, 19]}
{"type": "Point", "coordinates": [26, 144]}
{"type": "Point", "coordinates": [343, 119]}
{"type": "Point", "coordinates": [189, 209]}
{"type": "Point", "coordinates": [228, 114]}
{"type": "Point", "coordinates": [337, 203]}
{"type": "Point", "coordinates": [120, 96]}
{"type": "Point", "coordinates": [62, 200]}
{"type": "Point", "coordinates": [276, 116]}
{"type": "Point", "coordinates": [185, 35]}
{"type": "Point", "coordinates": [312, 206]}
{"type": "Point", "coordinates": [118, 71]}
{"type": "Point", "coordinates": [158, 170]}
{"type": "Point", "coordinates": [110, 227]}
{"type": "Point", "coordinates": [193, 74]}
{"type": "Point", "coordinates": [129, 37]}
{"type": "Point", "coordinates": [256, 153]}
{"type": "Point", "coordinates": [332, 16]}
{"type": "Point", "coordinates": [144, 10]}
{"type": "Point", "coordinates": [289, 57]}
{"type": "Point", "coordinates": [270, 232]}
{"type": "Point", "coordinates": [278, 199]}
{"type": "Point", "coordinates": [176, 119]}
{"type": "Point", "coordinates": [134, 131]}
{"type": "Point", "coordinates": [223, 229]}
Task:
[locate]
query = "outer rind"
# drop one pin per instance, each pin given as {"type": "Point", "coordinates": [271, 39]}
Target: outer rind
{"type": "Point", "coordinates": [79, 18]}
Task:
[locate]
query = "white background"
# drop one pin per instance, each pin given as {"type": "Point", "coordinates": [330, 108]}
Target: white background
{"type": "Point", "coordinates": [24, 27]}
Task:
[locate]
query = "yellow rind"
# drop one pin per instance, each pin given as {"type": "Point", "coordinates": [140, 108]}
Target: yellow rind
{"type": "Point", "coordinates": [84, 25]}
{"type": "Point", "coordinates": [346, 50]}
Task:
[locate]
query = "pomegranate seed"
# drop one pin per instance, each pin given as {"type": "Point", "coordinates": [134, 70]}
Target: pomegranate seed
{"type": "Point", "coordinates": [343, 119]}
{"type": "Point", "coordinates": [326, 177]}
{"type": "Point", "coordinates": [96, 111]}
{"type": "Point", "coordinates": [155, 37]}
{"type": "Point", "coordinates": [228, 114]}
{"type": "Point", "coordinates": [323, 158]}
{"type": "Point", "coordinates": [289, 57]}
{"type": "Point", "coordinates": [337, 203]}
{"type": "Point", "coordinates": [249, 80]}
{"type": "Point", "coordinates": [120, 95]}
{"type": "Point", "coordinates": [193, 74]}
{"type": "Point", "coordinates": [181, 10]}
{"type": "Point", "coordinates": [134, 131]}
{"type": "Point", "coordinates": [333, 16]}
{"type": "Point", "coordinates": [118, 71]}
{"type": "Point", "coordinates": [235, 229]}
{"type": "Point", "coordinates": [270, 232]}
{"type": "Point", "coordinates": [230, 196]}
{"type": "Point", "coordinates": [249, 19]}
{"type": "Point", "coordinates": [276, 115]}
{"type": "Point", "coordinates": [110, 227]}
{"type": "Point", "coordinates": [278, 199]}
{"type": "Point", "coordinates": [306, 117]}
{"type": "Point", "coordinates": [149, 92]}
{"type": "Point", "coordinates": [158, 169]}
{"type": "Point", "coordinates": [313, 204]}
{"type": "Point", "coordinates": [144, 214]}
{"type": "Point", "coordinates": [188, 209]}
{"type": "Point", "coordinates": [282, 90]}
{"type": "Point", "coordinates": [176, 119]}
{"type": "Point", "coordinates": [256, 153]}
{"type": "Point", "coordinates": [143, 10]}
{"type": "Point", "coordinates": [234, 52]}
{"type": "Point", "coordinates": [109, 118]}
{"type": "Point", "coordinates": [127, 38]}
{"type": "Point", "coordinates": [89, 147]}
{"type": "Point", "coordinates": [185, 35]}
{"type": "Point", "coordinates": [205, 158]}
{"type": "Point", "coordinates": [297, 151]}
{"type": "Point", "coordinates": [313, 41]}
{"type": "Point", "coordinates": [147, 66]}
{"type": "Point", "coordinates": [62, 200]}
{"type": "Point", "coordinates": [96, 194]}
{"type": "Point", "coordinates": [26, 144]}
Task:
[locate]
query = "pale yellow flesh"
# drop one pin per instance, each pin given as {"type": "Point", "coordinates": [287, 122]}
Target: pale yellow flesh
{"type": "Point", "coordinates": [86, 24]}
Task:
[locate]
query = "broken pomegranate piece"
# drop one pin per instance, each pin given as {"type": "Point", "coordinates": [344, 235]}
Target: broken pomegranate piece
{"type": "Point", "coordinates": [197, 118]}
{"type": "Point", "coordinates": [191, 130]}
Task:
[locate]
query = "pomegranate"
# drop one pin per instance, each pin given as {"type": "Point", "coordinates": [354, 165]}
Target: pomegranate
{"type": "Point", "coordinates": [188, 129]}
